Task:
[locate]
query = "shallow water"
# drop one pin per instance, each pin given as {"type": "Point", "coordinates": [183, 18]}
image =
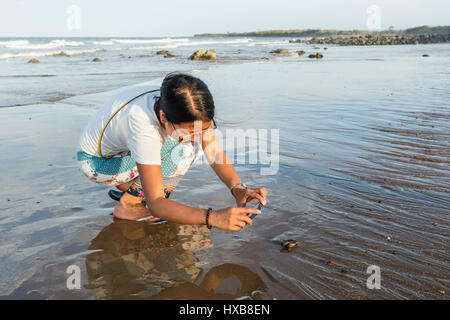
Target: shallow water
{"type": "Point", "coordinates": [363, 179]}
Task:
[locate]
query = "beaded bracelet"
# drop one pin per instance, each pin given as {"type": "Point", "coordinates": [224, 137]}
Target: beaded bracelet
{"type": "Point", "coordinates": [207, 218]}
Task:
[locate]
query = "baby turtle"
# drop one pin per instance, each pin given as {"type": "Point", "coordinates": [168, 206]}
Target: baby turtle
{"type": "Point", "coordinates": [288, 245]}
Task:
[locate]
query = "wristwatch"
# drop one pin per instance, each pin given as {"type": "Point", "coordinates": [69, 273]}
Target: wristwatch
{"type": "Point", "coordinates": [237, 184]}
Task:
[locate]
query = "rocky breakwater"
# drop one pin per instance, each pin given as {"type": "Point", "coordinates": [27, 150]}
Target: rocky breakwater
{"type": "Point", "coordinates": [378, 40]}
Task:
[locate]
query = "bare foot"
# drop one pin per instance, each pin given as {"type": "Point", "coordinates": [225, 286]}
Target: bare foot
{"type": "Point", "coordinates": [132, 208]}
{"type": "Point", "coordinates": [124, 187]}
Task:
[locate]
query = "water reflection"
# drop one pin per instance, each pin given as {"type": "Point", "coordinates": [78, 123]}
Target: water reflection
{"type": "Point", "coordinates": [138, 260]}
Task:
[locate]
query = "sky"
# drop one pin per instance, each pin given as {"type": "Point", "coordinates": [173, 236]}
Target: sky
{"type": "Point", "coordinates": [178, 18]}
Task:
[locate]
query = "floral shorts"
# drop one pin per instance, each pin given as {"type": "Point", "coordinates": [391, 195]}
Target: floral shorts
{"type": "Point", "coordinates": [176, 159]}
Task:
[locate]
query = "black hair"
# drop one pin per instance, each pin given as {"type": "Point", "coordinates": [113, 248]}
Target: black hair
{"type": "Point", "coordinates": [184, 98]}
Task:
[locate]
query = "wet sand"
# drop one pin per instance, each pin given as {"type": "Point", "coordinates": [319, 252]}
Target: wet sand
{"type": "Point", "coordinates": [363, 180]}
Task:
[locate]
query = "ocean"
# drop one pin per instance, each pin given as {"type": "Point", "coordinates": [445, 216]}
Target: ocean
{"type": "Point", "coordinates": [124, 61]}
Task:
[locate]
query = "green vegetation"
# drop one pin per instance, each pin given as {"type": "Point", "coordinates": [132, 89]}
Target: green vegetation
{"type": "Point", "coordinates": [329, 33]}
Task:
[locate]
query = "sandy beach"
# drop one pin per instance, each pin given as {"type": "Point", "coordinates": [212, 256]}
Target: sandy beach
{"type": "Point", "coordinates": [363, 180]}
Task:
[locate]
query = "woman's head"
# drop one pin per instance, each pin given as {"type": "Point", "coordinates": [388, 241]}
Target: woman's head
{"type": "Point", "coordinates": [184, 99]}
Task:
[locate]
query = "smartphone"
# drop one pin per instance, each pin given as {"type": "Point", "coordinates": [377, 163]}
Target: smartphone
{"type": "Point", "coordinates": [258, 206]}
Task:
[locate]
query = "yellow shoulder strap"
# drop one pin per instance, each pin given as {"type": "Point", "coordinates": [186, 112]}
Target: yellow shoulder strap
{"type": "Point", "coordinates": [114, 114]}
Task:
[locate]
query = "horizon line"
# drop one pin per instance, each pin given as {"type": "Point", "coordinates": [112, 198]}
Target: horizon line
{"type": "Point", "coordinates": [220, 33]}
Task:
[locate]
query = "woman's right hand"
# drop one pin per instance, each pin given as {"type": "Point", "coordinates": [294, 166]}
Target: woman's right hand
{"type": "Point", "coordinates": [232, 218]}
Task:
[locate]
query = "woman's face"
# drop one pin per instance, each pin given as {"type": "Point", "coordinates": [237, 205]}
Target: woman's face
{"type": "Point", "coordinates": [186, 132]}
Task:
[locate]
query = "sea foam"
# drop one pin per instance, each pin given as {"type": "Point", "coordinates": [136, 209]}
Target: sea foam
{"type": "Point", "coordinates": [25, 44]}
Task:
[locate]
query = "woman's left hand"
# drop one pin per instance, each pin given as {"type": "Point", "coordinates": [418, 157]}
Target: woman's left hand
{"type": "Point", "coordinates": [243, 195]}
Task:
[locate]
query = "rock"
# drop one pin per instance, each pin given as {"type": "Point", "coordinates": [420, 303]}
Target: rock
{"type": "Point", "coordinates": [325, 48]}
{"type": "Point", "coordinates": [316, 48]}
{"type": "Point", "coordinates": [301, 52]}
{"type": "Point", "coordinates": [62, 53]}
{"type": "Point", "coordinates": [280, 51]}
{"type": "Point", "coordinates": [425, 55]}
{"type": "Point", "coordinates": [96, 60]}
{"type": "Point", "coordinates": [169, 55]}
{"type": "Point", "coordinates": [318, 55]}
{"type": "Point", "coordinates": [288, 245]}
{"type": "Point", "coordinates": [34, 61]}
{"type": "Point", "coordinates": [264, 58]}
{"type": "Point", "coordinates": [204, 55]}
{"type": "Point", "coordinates": [163, 52]}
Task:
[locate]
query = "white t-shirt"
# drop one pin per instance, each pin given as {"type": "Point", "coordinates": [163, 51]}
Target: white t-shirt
{"type": "Point", "coordinates": [135, 128]}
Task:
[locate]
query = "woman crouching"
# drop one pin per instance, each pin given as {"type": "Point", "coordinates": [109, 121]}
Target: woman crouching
{"type": "Point", "coordinates": [144, 140]}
